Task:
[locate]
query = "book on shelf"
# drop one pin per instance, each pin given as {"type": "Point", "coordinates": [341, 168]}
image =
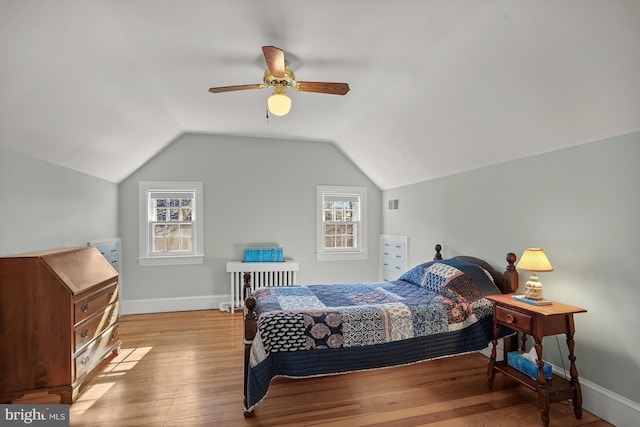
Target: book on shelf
{"type": "Point", "coordinates": [524, 299]}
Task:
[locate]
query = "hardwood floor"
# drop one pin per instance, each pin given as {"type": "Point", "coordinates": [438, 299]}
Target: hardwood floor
{"type": "Point", "coordinates": [185, 369]}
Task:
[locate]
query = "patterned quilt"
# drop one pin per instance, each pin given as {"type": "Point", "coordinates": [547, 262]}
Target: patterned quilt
{"type": "Point", "coordinates": [434, 310]}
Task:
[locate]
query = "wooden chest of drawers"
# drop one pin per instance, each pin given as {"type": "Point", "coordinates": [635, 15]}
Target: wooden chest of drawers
{"type": "Point", "coordinates": [58, 321]}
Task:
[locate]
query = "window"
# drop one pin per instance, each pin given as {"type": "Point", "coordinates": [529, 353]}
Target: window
{"type": "Point", "coordinates": [171, 230]}
{"type": "Point", "coordinates": [342, 223]}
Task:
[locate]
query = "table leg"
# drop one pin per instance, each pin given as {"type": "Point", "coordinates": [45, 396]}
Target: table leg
{"type": "Point", "coordinates": [491, 373]}
{"type": "Point", "coordinates": [573, 371]}
{"type": "Point", "coordinates": [523, 347]}
{"type": "Point", "coordinates": [543, 393]}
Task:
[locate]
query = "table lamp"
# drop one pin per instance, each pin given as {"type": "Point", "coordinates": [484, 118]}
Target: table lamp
{"type": "Point", "coordinates": [534, 260]}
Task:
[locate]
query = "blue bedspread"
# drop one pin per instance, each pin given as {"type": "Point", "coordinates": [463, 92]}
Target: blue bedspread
{"type": "Point", "coordinates": [435, 309]}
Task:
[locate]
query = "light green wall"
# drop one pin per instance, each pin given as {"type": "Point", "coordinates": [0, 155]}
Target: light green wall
{"type": "Point", "coordinates": [45, 206]}
{"type": "Point", "coordinates": [256, 192]}
{"type": "Point", "coordinates": [582, 206]}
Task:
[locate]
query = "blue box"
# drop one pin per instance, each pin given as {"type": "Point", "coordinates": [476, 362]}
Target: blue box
{"type": "Point", "coordinates": [515, 360]}
{"type": "Point", "coordinates": [263, 255]}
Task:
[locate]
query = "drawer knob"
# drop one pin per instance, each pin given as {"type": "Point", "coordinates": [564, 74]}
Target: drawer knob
{"type": "Point", "coordinates": [85, 334]}
{"type": "Point", "coordinates": [85, 360]}
{"type": "Point", "coordinates": [111, 293]}
{"type": "Point", "coordinates": [509, 318]}
{"type": "Point", "coordinates": [84, 308]}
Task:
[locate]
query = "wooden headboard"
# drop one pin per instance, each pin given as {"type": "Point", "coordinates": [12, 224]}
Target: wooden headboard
{"type": "Point", "coordinates": [506, 281]}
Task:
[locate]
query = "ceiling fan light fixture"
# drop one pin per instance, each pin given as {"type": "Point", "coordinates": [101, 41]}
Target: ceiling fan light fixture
{"type": "Point", "coordinates": [279, 103]}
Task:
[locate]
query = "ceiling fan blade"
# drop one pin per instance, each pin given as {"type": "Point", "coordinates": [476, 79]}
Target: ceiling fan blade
{"type": "Point", "coordinates": [232, 88]}
{"type": "Point", "coordinates": [275, 60]}
{"type": "Point", "coordinates": [323, 87]}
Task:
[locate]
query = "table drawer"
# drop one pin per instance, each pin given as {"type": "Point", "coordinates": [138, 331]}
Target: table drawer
{"type": "Point", "coordinates": [86, 307]}
{"type": "Point", "coordinates": [514, 319]}
{"type": "Point", "coordinates": [91, 328]}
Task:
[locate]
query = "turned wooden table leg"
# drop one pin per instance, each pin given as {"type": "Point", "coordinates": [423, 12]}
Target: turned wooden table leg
{"type": "Point", "coordinates": [573, 372]}
{"type": "Point", "coordinates": [543, 394]}
{"type": "Point", "coordinates": [523, 344]}
{"type": "Point", "coordinates": [491, 373]}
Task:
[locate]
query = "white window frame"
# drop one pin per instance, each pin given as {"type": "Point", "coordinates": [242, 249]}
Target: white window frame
{"type": "Point", "coordinates": [146, 257]}
{"type": "Point", "coordinates": [360, 252]}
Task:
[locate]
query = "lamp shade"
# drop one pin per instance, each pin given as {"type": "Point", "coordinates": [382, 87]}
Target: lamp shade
{"type": "Point", "coordinates": [534, 259]}
{"type": "Point", "coordinates": [279, 103]}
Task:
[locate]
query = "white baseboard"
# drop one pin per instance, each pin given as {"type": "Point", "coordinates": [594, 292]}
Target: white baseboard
{"type": "Point", "coordinates": [163, 305]}
{"type": "Point", "coordinates": [610, 406]}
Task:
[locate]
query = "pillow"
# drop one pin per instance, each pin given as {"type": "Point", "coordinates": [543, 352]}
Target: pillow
{"type": "Point", "coordinates": [453, 279]}
{"type": "Point", "coordinates": [416, 274]}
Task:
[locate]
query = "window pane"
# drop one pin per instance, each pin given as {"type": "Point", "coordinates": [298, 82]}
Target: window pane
{"type": "Point", "coordinates": [328, 215]}
{"type": "Point", "coordinates": [173, 230]}
{"type": "Point", "coordinates": [330, 230]}
{"type": "Point", "coordinates": [185, 244]}
{"type": "Point", "coordinates": [185, 230]}
{"type": "Point", "coordinates": [329, 242]}
{"type": "Point", "coordinates": [161, 214]}
{"type": "Point", "coordinates": [174, 202]}
{"type": "Point", "coordinates": [186, 214]}
{"type": "Point", "coordinates": [339, 216]}
{"type": "Point", "coordinates": [174, 214]}
{"type": "Point", "coordinates": [159, 230]}
{"type": "Point", "coordinates": [159, 245]}
{"type": "Point", "coordinates": [341, 229]}
{"type": "Point", "coordinates": [161, 203]}
{"type": "Point", "coordinates": [173, 244]}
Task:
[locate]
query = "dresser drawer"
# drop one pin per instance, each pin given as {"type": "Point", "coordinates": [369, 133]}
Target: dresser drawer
{"type": "Point", "coordinates": [89, 329]}
{"type": "Point", "coordinates": [393, 250]}
{"type": "Point", "coordinates": [88, 306]}
{"type": "Point", "coordinates": [514, 319]}
{"type": "Point", "coordinates": [95, 352]}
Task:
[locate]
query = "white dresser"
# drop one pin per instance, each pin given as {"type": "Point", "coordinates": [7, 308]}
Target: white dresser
{"type": "Point", "coordinates": [393, 256]}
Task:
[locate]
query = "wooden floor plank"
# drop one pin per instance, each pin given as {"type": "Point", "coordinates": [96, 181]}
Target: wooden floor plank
{"type": "Point", "coordinates": [185, 369]}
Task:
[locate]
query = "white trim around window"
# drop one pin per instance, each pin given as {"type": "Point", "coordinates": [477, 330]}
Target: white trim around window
{"type": "Point", "coordinates": [190, 218]}
{"type": "Point", "coordinates": [344, 207]}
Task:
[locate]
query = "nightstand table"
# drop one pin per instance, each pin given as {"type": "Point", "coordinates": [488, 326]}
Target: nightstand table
{"type": "Point", "coordinates": [537, 321]}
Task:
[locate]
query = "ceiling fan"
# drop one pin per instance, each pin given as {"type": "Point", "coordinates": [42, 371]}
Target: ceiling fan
{"type": "Point", "coordinates": [279, 76]}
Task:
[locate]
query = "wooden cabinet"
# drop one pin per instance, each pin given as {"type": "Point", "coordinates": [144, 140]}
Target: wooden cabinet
{"type": "Point", "coordinates": [58, 321]}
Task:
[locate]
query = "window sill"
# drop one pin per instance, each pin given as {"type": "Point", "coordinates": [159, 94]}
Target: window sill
{"type": "Point", "coordinates": [341, 256]}
{"type": "Point", "coordinates": [171, 260]}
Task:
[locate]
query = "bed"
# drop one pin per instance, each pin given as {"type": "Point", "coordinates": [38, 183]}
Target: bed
{"type": "Point", "coordinates": [433, 310]}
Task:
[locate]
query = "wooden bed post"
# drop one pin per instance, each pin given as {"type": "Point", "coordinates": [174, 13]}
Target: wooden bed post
{"type": "Point", "coordinates": [511, 274]}
{"type": "Point", "coordinates": [438, 255]}
{"type": "Point", "coordinates": [510, 285]}
{"type": "Point", "coordinates": [250, 330]}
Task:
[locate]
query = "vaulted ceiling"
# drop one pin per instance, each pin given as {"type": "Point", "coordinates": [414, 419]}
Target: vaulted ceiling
{"type": "Point", "coordinates": [437, 86]}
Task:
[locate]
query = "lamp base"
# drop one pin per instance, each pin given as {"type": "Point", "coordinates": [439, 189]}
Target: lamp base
{"type": "Point", "coordinates": [533, 289]}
